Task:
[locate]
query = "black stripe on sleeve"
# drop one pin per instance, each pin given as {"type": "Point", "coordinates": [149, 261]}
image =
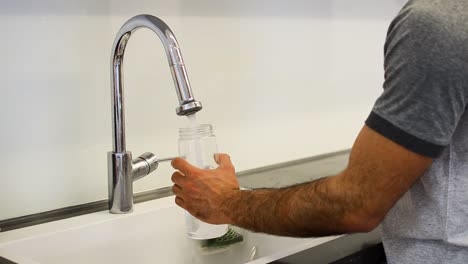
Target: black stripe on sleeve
{"type": "Point", "coordinates": [402, 138]}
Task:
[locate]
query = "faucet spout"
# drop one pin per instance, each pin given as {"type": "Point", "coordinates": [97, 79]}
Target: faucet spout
{"type": "Point", "coordinates": [122, 169]}
{"type": "Point", "coordinates": [187, 103]}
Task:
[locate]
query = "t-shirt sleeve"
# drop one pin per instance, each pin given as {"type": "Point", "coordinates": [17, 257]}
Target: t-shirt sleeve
{"type": "Point", "coordinates": [425, 89]}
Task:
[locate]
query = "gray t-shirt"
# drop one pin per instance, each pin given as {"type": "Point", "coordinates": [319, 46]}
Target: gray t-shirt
{"type": "Point", "coordinates": [422, 109]}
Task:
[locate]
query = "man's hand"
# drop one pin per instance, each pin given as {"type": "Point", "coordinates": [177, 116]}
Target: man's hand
{"type": "Point", "coordinates": [203, 193]}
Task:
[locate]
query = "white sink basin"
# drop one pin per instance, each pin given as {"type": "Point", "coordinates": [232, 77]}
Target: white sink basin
{"type": "Point", "coordinates": [153, 233]}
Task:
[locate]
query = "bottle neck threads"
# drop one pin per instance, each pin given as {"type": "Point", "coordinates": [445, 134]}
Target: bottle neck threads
{"type": "Point", "coordinates": [199, 131]}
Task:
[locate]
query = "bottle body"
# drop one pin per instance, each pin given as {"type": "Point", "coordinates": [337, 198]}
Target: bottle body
{"type": "Point", "coordinates": [198, 146]}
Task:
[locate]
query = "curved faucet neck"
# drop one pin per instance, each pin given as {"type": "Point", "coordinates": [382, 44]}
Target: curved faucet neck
{"type": "Point", "coordinates": [187, 103]}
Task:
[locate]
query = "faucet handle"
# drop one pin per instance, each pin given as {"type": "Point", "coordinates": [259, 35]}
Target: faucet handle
{"type": "Point", "coordinates": [166, 159]}
{"type": "Point", "coordinates": [145, 164]}
{"type": "Point", "coordinates": [151, 159]}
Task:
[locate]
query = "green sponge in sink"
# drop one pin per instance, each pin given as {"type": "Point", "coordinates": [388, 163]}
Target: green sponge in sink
{"type": "Point", "coordinates": [231, 237]}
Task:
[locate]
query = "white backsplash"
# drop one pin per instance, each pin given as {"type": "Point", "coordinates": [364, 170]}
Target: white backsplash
{"type": "Point", "coordinates": [279, 80]}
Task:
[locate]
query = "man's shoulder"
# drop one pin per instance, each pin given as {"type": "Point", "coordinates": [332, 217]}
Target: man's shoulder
{"type": "Point", "coordinates": [431, 29]}
{"type": "Point", "coordinates": [436, 15]}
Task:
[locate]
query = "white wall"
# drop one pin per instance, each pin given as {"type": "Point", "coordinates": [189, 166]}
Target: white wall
{"type": "Point", "coordinates": [280, 80]}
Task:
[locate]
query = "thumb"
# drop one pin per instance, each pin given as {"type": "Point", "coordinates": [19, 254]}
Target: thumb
{"type": "Point", "coordinates": [223, 160]}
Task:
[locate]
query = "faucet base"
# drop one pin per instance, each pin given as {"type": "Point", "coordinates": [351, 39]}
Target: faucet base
{"type": "Point", "coordinates": [120, 182]}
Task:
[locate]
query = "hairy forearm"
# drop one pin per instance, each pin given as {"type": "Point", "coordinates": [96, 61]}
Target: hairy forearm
{"type": "Point", "coordinates": [316, 208]}
{"type": "Point", "coordinates": [379, 172]}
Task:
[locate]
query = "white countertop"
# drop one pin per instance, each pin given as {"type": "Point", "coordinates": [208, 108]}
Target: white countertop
{"type": "Point", "coordinates": [155, 229]}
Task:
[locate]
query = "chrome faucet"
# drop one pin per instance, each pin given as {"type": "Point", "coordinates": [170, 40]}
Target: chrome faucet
{"type": "Point", "coordinates": [122, 169]}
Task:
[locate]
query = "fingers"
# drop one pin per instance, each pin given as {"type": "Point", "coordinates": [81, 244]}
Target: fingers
{"type": "Point", "coordinates": [180, 202]}
{"type": "Point", "coordinates": [178, 178]}
{"type": "Point", "coordinates": [183, 165]}
{"type": "Point", "coordinates": [223, 160]}
{"type": "Point", "coordinates": [177, 190]}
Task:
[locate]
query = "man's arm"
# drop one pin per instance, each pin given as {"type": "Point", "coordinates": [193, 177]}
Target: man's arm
{"type": "Point", "coordinates": [378, 174]}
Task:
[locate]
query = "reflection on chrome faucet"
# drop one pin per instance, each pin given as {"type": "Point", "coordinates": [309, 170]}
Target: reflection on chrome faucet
{"type": "Point", "coordinates": [122, 170]}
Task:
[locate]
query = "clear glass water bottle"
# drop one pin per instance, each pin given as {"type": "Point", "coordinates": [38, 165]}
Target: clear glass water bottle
{"type": "Point", "coordinates": [198, 146]}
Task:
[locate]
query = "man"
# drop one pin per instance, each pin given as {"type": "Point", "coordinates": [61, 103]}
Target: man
{"type": "Point", "coordinates": [408, 168]}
